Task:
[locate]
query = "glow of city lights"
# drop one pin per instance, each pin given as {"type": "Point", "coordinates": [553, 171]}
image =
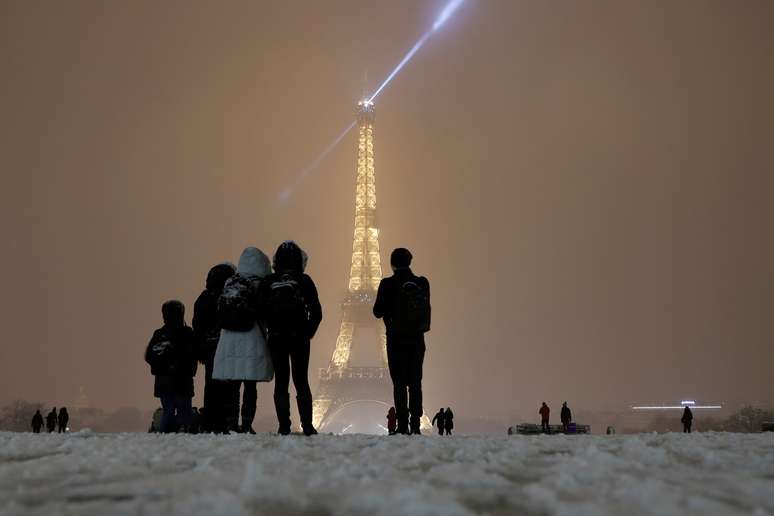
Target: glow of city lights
{"type": "Point", "coordinates": [445, 14]}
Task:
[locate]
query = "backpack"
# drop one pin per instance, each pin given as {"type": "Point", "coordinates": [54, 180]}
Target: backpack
{"type": "Point", "coordinates": [287, 311]}
{"type": "Point", "coordinates": [412, 310]}
{"type": "Point", "coordinates": [161, 355]}
{"type": "Point", "coordinates": [234, 308]}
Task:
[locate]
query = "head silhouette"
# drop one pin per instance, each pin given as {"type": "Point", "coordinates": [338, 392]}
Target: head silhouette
{"type": "Point", "coordinates": [400, 258]}
{"type": "Point", "coordinates": [173, 313]}
{"type": "Point", "coordinates": [289, 258]}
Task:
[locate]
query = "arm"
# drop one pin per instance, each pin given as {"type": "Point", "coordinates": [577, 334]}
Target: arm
{"type": "Point", "coordinates": [380, 305]}
{"type": "Point", "coordinates": [313, 305]}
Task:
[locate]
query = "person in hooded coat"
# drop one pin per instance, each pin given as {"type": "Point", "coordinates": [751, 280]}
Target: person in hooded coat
{"type": "Point", "coordinates": [171, 353]}
{"type": "Point", "coordinates": [206, 327]}
{"type": "Point", "coordinates": [439, 418]}
{"type": "Point", "coordinates": [37, 422]}
{"type": "Point", "coordinates": [405, 353]}
{"type": "Point", "coordinates": [448, 421]}
{"type": "Point", "coordinates": [687, 420]}
{"type": "Point", "coordinates": [51, 420]}
{"type": "Point", "coordinates": [243, 356]}
{"type": "Point", "coordinates": [63, 418]}
{"type": "Point", "coordinates": [288, 298]}
{"type": "Point", "coordinates": [566, 416]}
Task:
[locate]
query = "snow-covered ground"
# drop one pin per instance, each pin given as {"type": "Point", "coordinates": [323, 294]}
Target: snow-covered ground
{"type": "Point", "coordinates": [100, 474]}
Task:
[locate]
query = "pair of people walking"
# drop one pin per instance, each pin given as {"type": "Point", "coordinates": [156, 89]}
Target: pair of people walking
{"type": "Point", "coordinates": [444, 419]}
{"type": "Point", "coordinates": [250, 325]}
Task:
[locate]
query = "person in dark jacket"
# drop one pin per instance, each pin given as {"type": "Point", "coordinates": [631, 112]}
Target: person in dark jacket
{"type": "Point", "coordinates": [171, 353]}
{"type": "Point", "coordinates": [448, 421]}
{"type": "Point", "coordinates": [687, 420]}
{"type": "Point", "coordinates": [289, 304]}
{"type": "Point", "coordinates": [51, 420]}
{"type": "Point", "coordinates": [545, 414]}
{"type": "Point", "coordinates": [206, 327]}
{"type": "Point", "coordinates": [566, 416]}
{"type": "Point", "coordinates": [405, 350]}
{"type": "Point", "coordinates": [439, 419]}
{"type": "Point", "coordinates": [392, 421]}
{"type": "Point", "coordinates": [37, 422]}
{"type": "Point", "coordinates": [63, 418]}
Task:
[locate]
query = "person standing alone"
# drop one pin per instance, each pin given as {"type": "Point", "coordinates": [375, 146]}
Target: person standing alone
{"type": "Point", "coordinates": [566, 416]}
{"type": "Point", "coordinates": [545, 413]}
{"type": "Point", "coordinates": [403, 302]}
{"type": "Point", "coordinates": [687, 420]}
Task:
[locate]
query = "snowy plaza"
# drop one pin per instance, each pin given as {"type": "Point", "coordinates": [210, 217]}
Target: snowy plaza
{"type": "Point", "coordinates": [97, 474]}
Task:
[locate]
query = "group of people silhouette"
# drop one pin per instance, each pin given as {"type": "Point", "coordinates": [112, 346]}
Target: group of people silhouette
{"type": "Point", "coordinates": [444, 419]}
{"type": "Point", "coordinates": [52, 420]}
{"type": "Point", "coordinates": [565, 415]}
{"type": "Point", "coordinates": [255, 322]}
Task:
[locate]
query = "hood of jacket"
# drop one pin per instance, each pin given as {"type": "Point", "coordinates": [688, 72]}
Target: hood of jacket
{"type": "Point", "coordinates": [290, 257]}
{"type": "Point", "coordinates": [253, 263]}
{"type": "Point", "coordinates": [218, 275]}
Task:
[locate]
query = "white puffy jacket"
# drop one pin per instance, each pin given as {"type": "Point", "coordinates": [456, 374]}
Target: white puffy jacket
{"type": "Point", "coordinates": [244, 355]}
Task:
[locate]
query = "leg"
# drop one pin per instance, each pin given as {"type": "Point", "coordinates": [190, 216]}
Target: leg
{"type": "Point", "coordinates": [281, 359]}
{"type": "Point", "coordinates": [208, 402]}
{"type": "Point", "coordinates": [416, 359]}
{"type": "Point", "coordinates": [184, 412]}
{"type": "Point", "coordinates": [299, 362]}
{"type": "Point", "coordinates": [168, 414]}
{"type": "Point", "coordinates": [249, 402]}
{"type": "Point", "coordinates": [397, 363]}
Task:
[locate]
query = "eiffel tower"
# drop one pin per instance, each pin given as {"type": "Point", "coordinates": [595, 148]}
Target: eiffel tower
{"type": "Point", "coordinates": [341, 383]}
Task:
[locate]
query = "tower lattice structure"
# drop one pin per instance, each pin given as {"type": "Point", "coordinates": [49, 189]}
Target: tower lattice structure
{"type": "Point", "coordinates": [341, 383]}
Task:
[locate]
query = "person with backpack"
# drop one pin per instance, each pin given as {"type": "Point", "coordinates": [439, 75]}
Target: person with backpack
{"type": "Point", "coordinates": [687, 420]}
{"type": "Point", "coordinates": [403, 302]}
{"type": "Point", "coordinates": [206, 327]}
{"type": "Point", "coordinates": [51, 420]}
{"type": "Point", "coordinates": [392, 421]}
{"type": "Point", "coordinates": [63, 418]}
{"type": "Point", "coordinates": [243, 354]}
{"type": "Point", "coordinates": [545, 413]}
{"type": "Point", "coordinates": [37, 422]}
{"type": "Point", "coordinates": [566, 416]}
{"type": "Point", "coordinates": [439, 418]}
{"type": "Point", "coordinates": [448, 421]}
{"type": "Point", "coordinates": [289, 302]}
{"type": "Point", "coordinates": [171, 354]}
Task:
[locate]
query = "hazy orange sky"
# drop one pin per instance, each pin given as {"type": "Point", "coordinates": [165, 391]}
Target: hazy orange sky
{"type": "Point", "coordinates": [587, 185]}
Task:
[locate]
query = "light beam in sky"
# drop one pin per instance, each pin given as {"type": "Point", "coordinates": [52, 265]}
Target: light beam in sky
{"type": "Point", "coordinates": [446, 13]}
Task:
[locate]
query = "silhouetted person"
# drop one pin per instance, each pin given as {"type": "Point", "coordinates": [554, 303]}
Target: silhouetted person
{"type": "Point", "coordinates": [403, 301]}
{"type": "Point", "coordinates": [37, 422]}
{"type": "Point", "coordinates": [448, 421]}
{"type": "Point", "coordinates": [51, 420]}
{"type": "Point", "coordinates": [545, 413]}
{"type": "Point", "coordinates": [687, 420]}
{"type": "Point", "coordinates": [438, 420]}
{"type": "Point", "coordinates": [64, 418]}
{"type": "Point", "coordinates": [206, 327]}
{"type": "Point", "coordinates": [171, 353]}
{"type": "Point", "coordinates": [566, 416]}
{"type": "Point", "coordinates": [392, 421]}
{"type": "Point", "coordinates": [292, 311]}
{"type": "Point", "coordinates": [243, 354]}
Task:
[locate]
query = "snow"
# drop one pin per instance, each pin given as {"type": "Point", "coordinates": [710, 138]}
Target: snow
{"type": "Point", "coordinates": [98, 474]}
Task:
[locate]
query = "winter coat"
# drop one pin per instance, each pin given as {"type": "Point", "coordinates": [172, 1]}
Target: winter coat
{"type": "Point", "coordinates": [384, 306]}
{"type": "Point", "coordinates": [244, 355]}
{"type": "Point", "coordinates": [206, 323]}
{"type": "Point", "coordinates": [173, 377]}
{"type": "Point", "coordinates": [51, 420]}
{"type": "Point", "coordinates": [448, 420]}
{"type": "Point", "coordinates": [291, 260]}
{"type": "Point", "coordinates": [565, 415]}
{"type": "Point", "coordinates": [439, 416]}
{"type": "Point", "coordinates": [544, 412]}
{"type": "Point", "coordinates": [37, 420]}
{"type": "Point", "coordinates": [687, 416]}
{"type": "Point", "coordinates": [64, 417]}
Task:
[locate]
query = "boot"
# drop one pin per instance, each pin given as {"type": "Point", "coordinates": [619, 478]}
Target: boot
{"type": "Point", "coordinates": [247, 427]}
{"type": "Point", "coordinates": [282, 406]}
{"type": "Point", "coordinates": [305, 413]}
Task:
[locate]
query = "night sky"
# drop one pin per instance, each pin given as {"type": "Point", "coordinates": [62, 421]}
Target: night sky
{"type": "Point", "coordinates": [587, 185]}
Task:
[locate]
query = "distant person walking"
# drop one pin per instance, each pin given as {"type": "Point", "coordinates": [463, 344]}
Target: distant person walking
{"type": "Point", "coordinates": [566, 416]}
{"type": "Point", "coordinates": [392, 421]}
{"type": "Point", "coordinates": [448, 421]}
{"type": "Point", "coordinates": [64, 418]}
{"type": "Point", "coordinates": [288, 301]}
{"type": "Point", "coordinates": [403, 301]}
{"type": "Point", "coordinates": [206, 326]}
{"type": "Point", "coordinates": [545, 414]}
{"type": "Point", "coordinates": [438, 420]}
{"type": "Point", "coordinates": [243, 354]}
{"type": "Point", "coordinates": [51, 420]}
{"type": "Point", "coordinates": [37, 422]}
{"type": "Point", "coordinates": [687, 420]}
{"type": "Point", "coordinates": [171, 354]}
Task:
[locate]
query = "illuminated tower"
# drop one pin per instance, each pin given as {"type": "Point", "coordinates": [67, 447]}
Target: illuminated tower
{"type": "Point", "coordinates": [341, 383]}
